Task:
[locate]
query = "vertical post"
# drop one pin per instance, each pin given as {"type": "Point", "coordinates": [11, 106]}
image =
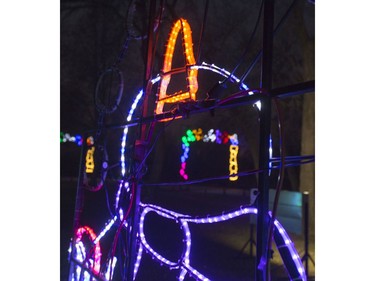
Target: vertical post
{"type": "Point", "coordinates": [141, 148]}
{"type": "Point", "coordinates": [306, 230]}
{"type": "Point", "coordinates": [77, 209]}
{"type": "Point", "coordinates": [262, 254]}
{"type": "Point", "coordinates": [134, 222]}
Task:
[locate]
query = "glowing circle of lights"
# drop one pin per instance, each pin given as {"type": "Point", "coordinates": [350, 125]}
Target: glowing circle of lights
{"type": "Point", "coordinates": [284, 244]}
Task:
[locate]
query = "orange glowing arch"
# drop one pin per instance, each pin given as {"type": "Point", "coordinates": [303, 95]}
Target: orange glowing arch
{"type": "Point", "coordinates": [187, 44]}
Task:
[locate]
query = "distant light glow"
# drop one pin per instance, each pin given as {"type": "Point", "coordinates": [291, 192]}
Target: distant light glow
{"type": "Point", "coordinates": [66, 137]}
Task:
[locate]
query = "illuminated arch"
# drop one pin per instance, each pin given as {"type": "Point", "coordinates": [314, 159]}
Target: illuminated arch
{"type": "Point", "coordinates": [80, 249]}
{"type": "Point", "coordinates": [180, 25]}
{"type": "Point", "coordinates": [211, 136]}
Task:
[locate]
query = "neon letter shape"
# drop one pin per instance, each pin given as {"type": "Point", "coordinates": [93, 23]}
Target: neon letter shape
{"type": "Point", "coordinates": [187, 44]}
{"type": "Point", "coordinates": [233, 166]}
{"type": "Point", "coordinates": [90, 160]}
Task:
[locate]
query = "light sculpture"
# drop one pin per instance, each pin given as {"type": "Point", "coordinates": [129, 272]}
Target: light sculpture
{"type": "Point", "coordinates": [81, 253]}
{"type": "Point", "coordinates": [284, 244]}
{"type": "Point", "coordinates": [214, 136]}
{"type": "Point", "coordinates": [196, 135]}
{"type": "Point", "coordinates": [187, 45]}
{"type": "Point", "coordinates": [203, 66]}
{"type": "Point", "coordinates": [90, 164]}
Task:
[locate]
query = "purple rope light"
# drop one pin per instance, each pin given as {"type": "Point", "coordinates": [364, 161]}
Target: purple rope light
{"type": "Point", "coordinates": [184, 264]}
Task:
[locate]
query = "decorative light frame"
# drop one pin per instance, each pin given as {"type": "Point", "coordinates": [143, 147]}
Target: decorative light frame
{"type": "Point", "coordinates": [214, 136]}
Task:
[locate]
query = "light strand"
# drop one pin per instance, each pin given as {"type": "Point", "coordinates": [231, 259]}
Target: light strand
{"type": "Point", "coordinates": [97, 251]}
{"type": "Point", "coordinates": [187, 45]}
{"type": "Point", "coordinates": [291, 259]}
{"type": "Point", "coordinates": [214, 136]}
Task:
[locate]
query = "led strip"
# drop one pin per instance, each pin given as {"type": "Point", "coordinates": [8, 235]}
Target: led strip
{"type": "Point", "coordinates": [180, 25]}
{"type": "Point", "coordinates": [97, 251]}
{"type": "Point", "coordinates": [282, 241]}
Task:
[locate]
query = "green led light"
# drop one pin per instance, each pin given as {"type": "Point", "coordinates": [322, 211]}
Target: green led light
{"type": "Point", "coordinates": [185, 141]}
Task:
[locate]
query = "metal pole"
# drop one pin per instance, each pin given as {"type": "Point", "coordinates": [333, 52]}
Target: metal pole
{"type": "Point", "coordinates": [306, 230]}
{"type": "Point", "coordinates": [141, 149]}
{"type": "Point", "coordinates": [262, 256]}
{"type": "Point", "coordinates": [77, 209]}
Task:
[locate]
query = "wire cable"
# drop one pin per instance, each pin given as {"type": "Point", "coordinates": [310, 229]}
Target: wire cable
{"type": "Point", "coordinates": [260, 53]}
{"type": "Point", "coordinates": [248, 45]}
{"type": "Point", "coordinates": [152, 147]}
{"type": "Point", "coordinates": [280, 180]}
{"type": "Point", "coordinates": [202, 32]}
{"type": "Point", "coordinates": [241, 174]}
{"type": "Point", "coordinates": [114, 245]}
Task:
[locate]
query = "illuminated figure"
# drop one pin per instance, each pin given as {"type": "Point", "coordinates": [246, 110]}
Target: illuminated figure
{"type": "Point", "coordinates": [88, 261]}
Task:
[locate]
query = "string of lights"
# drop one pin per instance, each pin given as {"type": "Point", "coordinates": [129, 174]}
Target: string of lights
{"type": "Point", "coordinates": [183, 264]}
{"type": "Point", "coordinates": [213, 136]}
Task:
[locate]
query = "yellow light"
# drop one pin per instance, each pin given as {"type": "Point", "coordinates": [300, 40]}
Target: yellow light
{"type": "Point", "coordinates": [198, 134]}
{"type": "Point", "coordinates": [90, 160]}
{"type": "Point", "coordinates": [233, 166]}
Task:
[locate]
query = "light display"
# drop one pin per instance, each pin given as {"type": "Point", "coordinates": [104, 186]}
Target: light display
{"type": "Point", "coordinates": [283, 241]}
{"type": "Point", "coordinates": [90, 160]}
{"type": "Point", "coordinates": [126, 129]}
{"type": "Point", "coordinates": [77, 139]}
{"type": "Point", "coordinates": [180, 25]}
{"type": "Point", "coordinates": [203, 66]}
{"type": "Point", "coordinates": [105, 230]}
{"type": "Point", "coordinates": [214, 136]}
{"type": "Point", "coordinates": [233, 166]}
{"type": "Point", "coordinates": [66, 137]}
{"type": "Point", "coordinates": [80, 249]}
